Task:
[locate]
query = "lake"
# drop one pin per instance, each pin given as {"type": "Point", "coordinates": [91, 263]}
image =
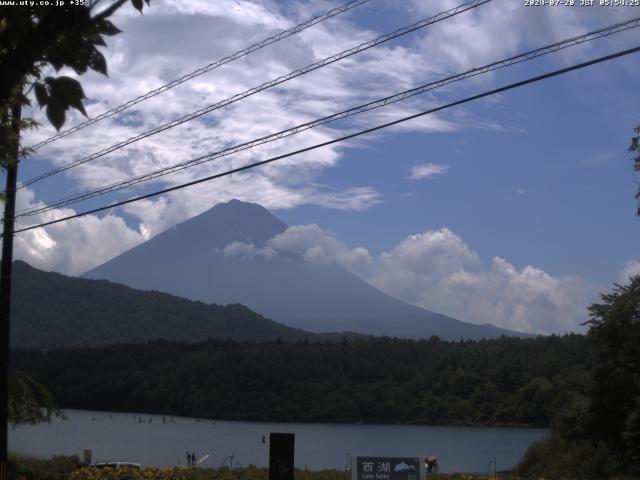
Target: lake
{"type": "Point", "coordinates": [148, 440]}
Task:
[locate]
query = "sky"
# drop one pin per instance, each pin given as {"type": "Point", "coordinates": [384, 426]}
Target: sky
{"type": "Point", "coordinates": [517, 209]}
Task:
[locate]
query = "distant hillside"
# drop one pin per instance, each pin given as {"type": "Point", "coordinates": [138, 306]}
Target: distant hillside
{"type": "Point", "coordinates": [189, 260]}
{"type": "Point", "coordinates": [51, 310]}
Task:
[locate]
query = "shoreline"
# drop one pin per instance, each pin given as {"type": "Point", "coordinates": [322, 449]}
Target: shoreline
{"type": "Point", "coordinates": [312, 422]}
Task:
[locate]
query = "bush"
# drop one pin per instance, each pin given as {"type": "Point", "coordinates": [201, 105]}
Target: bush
{"type": "Point", "coordinates": [223, 473]}
{"type": "Point", "coordinates": [56, 468]}
{"type": "Point", "coordinates": [574, 422]}
{"type": "Point", "coordinates": [557, 458]}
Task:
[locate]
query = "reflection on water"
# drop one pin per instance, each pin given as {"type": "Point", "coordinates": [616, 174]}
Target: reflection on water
{"type": "Point", "coordinates": [154, 440]}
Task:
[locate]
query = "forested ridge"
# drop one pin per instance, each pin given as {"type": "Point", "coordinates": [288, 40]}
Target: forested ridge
{"type": "Point", "coordinates": [76, 311]}
{"type": "Point", "coordinates": [504, 382]}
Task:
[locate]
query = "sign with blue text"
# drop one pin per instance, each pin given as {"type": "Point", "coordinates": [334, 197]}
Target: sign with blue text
{"type": "Point", "coordinates": [387, 468]}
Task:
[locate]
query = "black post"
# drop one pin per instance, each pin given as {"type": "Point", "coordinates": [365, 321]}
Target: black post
{"type": "Point", "coordinates": [281, 456]}
{"type": "Point", "coordinates": [5, 287]}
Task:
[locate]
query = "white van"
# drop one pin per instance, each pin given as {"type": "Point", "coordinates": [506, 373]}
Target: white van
{"type": "Point", "coordinates": [117, 465]}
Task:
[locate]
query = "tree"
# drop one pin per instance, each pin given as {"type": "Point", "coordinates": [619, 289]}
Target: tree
{"type": "Point", "coordinates": [615, 331]}
{"type": "Point", "coordinates": [33, 38]}
{"type": "Point", "coordinates": [631, 436]}
{"type": "Point", "coordinates": [30, 402]}
{"type": "Point", "coordinates": [635, 147]}
{"type": "Point", "coordinates": [598, 435]}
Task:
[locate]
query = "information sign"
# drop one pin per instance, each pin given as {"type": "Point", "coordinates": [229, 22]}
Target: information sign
{"type": "Point", "coordinates": [387, 468]}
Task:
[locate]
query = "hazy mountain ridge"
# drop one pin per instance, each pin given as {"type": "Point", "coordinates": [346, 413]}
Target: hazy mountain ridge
{"type": "Point", "coordinates": [189, 260]}
{"type": "Point", "coordinates": [51, 310]}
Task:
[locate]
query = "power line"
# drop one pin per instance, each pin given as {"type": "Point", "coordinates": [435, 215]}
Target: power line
{"type": "Point", "coordinates": [277, 81]}
{"type": "Point", "coordinates": [522, 57]}
{"type": "Point", "coordinates": [346, 137]}
{"type": "Point", "coordinates": [207, 68]}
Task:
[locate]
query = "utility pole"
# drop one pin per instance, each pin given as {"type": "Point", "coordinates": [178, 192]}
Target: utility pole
{"type": "Point", "coordinates": [5, 283]}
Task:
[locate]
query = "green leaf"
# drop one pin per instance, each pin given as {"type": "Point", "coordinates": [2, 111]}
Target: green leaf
{"type": "Point", "coordinates": [65, 88]}
{"type": "Point", "coordinates": [55, 114]}
{"type": "Point", "coordinates": [97, 62]}
{"type": "Point", "coordinates": [80, 60]}
{"type": "Point", "coordinates": [66, 92]}
{"type": "Point", "coordinates": [55, 62]}
{"type": "Point", "coordinates": [24, 100]}
{"type": "Point", "coordinates": [105, 27]}
{"type": "Point", "coordinates": [137, 4]}
{"type": "Point", "coordinates": [28, 124]}
{"type": "Point", "coordinates": [41, 94]}
{"type": "Point", "coordinates": [77, 104]}
{"type": "Point", "coordinates": [96, 39]}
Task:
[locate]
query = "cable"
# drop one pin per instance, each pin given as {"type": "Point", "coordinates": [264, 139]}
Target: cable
{"type": "Point", "coordinates": [522, 57]}
{"type": "Point", "coordinates": [284, 78]}
{"type": "Point", "coordinates": [207, 68]}
{"type": "Point", "coordinates": [341, 139]}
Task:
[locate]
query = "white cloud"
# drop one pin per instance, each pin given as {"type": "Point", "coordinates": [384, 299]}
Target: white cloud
{"type": "Point", "coordinates": [318, 247]}
{"type": "Point", "coordinates": [310, 243]}
{"type": "Point", "coordinates": [433, 253]}
{"type": "Point", "coordinates": [355, 199]}
{"type": "Point", "coordinates": [500, 29]}
{"type": "Point", "coordinates": [428, 170]}
{"type": "Point", "coordinates": [70, 247]}
{"type": "Point", "coordinates": [167, 211]}
{"type": "Point", "coordinates": [248, 251]}
{"type": "Point", "coordinates": [521, 191]}
{"type": "Point", "coordinates": [438, 271]}
{"type": "Point", "coordinates": [631, 269]}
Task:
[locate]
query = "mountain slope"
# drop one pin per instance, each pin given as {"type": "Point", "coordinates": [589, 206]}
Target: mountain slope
{"type": "Point", "coordinates": [188, 260]}
{"type": "Point", "coordinates": [51, 310]}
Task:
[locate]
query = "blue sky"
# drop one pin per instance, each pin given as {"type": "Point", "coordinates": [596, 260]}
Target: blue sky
{"type": "Point", "coordinates": [553, 188]}
{"type": "Point", "coordinates": [528, 193]}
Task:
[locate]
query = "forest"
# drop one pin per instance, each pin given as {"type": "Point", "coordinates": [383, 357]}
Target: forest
{"type": "Point", "coordinates": [502, 382]}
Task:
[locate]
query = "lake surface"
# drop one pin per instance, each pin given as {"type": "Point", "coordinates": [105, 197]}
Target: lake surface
{"type": "Point", "coordinates": [122, 436]}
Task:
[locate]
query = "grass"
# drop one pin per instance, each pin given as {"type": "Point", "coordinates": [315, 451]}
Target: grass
{"type": "Point", "coordinates": [70, 468]}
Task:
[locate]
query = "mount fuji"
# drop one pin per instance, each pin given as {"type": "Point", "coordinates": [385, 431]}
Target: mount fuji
{"type": "Point", "coordinates": [189, 260]}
